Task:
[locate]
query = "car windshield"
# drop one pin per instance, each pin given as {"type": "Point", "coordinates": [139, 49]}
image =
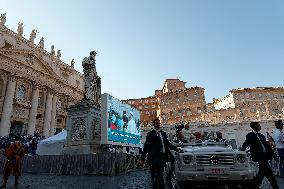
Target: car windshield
{"type": "Point", "coordinates": [206, 143]}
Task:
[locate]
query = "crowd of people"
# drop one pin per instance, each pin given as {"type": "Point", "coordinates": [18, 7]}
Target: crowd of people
{"type": "Point", "coordinates": [196, 137]}
{"type": "Point", "coordinates": [14, 148]}
{"type": "Point", "coordinates": [30, 142]}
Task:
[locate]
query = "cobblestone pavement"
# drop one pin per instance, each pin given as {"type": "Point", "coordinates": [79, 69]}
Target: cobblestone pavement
{"type": "Point", "coordinates": [131, 180]}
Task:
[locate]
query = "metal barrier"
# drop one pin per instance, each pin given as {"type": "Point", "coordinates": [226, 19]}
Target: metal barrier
{"type": "Point", "coordinates": [98, 164]}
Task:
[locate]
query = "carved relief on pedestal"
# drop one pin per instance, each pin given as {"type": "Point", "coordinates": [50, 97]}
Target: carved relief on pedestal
{"type": "Point", "coordinates": [78, 129]}
{"type": "Point", "coordinates": [96, 129]}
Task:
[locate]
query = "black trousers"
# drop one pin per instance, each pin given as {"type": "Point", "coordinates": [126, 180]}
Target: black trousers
{"type": "Point", "coordinates": [157, 168]}
{"type": "Point", "coordinates": [265, 170]}
{"type": "Point", "coordinates": [281, 163]}
{"type": "Point", "coordinates": [157, 177]}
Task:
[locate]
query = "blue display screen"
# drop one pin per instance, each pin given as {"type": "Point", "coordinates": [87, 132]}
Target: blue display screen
{"type": "Point", "coordinates": [123, 122]}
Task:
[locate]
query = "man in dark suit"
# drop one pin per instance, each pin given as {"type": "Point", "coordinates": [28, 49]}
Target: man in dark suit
{"type": "Point", "coordinates": [261, 152]}
{"type": "Point", "coordinates": [157, 146]}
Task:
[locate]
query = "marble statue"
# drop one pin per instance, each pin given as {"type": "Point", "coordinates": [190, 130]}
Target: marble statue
{"type": "Point", "coordinates": [20, 28]}
{"type": "Point", "coordinates": [72, 63]}
{"type": "Point", "coordinates": [41, 43]}
{"type": "Point", "coordinates": [89, 65]}
{"type": "Point", "coordinates": [3, 18]}
{"type": "Point", "coordinates": [32, 36]}
{"type": "Point", "coordinates": [58, 54]}
{"type": "Point", "coordinates": [52, 52]}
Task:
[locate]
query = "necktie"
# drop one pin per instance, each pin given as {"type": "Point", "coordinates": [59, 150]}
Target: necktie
{"type": "Point", "coordinates": [162, 146]}
{"type": "Point", "coordinates": [262, 145]}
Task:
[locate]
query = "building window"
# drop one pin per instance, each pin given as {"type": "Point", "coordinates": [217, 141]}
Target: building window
{"type": "Point", "coordinates": [145, 106]}
{"type": "Point", "coordinates": [153, 106]}
{"type": "Point", "coordinates": [21, 92]}
{"type": "Point", "coordinates": [188, 112]}
{"type": "Point", "coordinates": [199, 110]}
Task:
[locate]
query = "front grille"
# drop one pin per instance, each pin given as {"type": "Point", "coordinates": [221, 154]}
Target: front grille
{"type": "Point", "coordinates": [223, 159]}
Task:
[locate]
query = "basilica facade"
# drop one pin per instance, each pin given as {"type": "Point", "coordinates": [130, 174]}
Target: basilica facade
{"type": "Point", "coordinates": [36, 87]}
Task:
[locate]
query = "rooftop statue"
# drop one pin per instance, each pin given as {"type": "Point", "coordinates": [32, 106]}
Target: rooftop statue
{"type": "Point", "coordinates": [58, 54]}
{"type": "Point", "coordinates": [32, 36]}
{"type": "Point", "coordinates": [72, 63]}
{"type": "Point", "coordinates": [52, 52]}
{"type": "Point", "coordinates": [41, 43]}
{"type": "Point", "coordinates": [3, 19]}
{"type": "Point", "coordinates": [20, 28]}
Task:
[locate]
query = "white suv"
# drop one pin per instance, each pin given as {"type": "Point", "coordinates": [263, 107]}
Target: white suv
{"type": "Point", "coordinates": [211, 162]}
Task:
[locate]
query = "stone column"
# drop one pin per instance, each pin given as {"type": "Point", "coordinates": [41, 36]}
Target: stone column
{"type": "Point", "coordinates": [7, 107]}
{"type": "Point", "coordinates": [47, 115]}
{"type": "Point", "coordinates": [53, 116]}
{"type": "Point", "coordinates": [33, 111]}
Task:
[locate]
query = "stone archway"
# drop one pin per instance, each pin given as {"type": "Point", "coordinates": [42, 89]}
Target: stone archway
{"type": "Point", "coordinates": [16, 128]}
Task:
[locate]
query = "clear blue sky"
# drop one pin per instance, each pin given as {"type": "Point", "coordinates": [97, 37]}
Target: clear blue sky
{"type": "Point", "coordinates": [215, 44]}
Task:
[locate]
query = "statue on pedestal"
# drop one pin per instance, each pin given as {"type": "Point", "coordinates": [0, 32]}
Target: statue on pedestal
{"type": "Point", "coordinates": [79, 140]}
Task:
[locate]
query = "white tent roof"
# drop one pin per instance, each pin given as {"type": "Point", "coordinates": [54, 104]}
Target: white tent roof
{"type": "Point", "coordinates": [56, 138]}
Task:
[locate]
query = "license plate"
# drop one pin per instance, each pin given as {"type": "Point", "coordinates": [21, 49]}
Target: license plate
{"type": "Point", "coordinates": [217, 171]}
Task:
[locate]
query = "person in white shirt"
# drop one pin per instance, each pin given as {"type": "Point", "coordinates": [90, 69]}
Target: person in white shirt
{"type": "Point", "coordinates": [131, 125]}
{"type": "Point", "coordinates": [278, 137]}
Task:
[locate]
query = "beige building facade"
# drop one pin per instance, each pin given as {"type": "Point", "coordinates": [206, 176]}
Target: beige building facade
{"type": "Point", "coordinates": [35, 85]}
{"type": "Point", "coordinates": [245, 104]}
{"type": "Point", "coordinates": [173, 104]}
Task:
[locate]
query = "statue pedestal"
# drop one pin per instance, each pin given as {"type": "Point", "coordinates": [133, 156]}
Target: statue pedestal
{"type": "Point", "coordinates": [83, 128]}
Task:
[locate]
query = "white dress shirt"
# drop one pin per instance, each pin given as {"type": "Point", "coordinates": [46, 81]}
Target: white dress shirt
{"type": "Point", "coordinates": [159, 134]}
{"type": "Point", "coordinates": [278, 137]}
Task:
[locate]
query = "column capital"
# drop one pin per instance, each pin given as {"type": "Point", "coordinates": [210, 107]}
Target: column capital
{"type": "Point", "coordinates": [50, 91]}
{"type": "Point", "coordinates": [35, 85]}
{"type": "Point", "coordinates": [12, 77]}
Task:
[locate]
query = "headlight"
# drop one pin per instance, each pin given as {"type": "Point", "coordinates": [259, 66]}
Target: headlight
{"type": "Point", "coordinates": [241, 158]}
{"type": "Point", "coordinates": [187, 159]}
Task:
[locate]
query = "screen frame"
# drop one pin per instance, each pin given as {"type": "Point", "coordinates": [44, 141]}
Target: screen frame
{"type": "Point", "coordinates": [104, 126]}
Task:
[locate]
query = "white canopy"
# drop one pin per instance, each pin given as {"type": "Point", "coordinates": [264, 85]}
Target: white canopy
{"type": "Point", "coordinates": [56, 138]}
{"type": "Point", "coordinates": [52, 145]}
